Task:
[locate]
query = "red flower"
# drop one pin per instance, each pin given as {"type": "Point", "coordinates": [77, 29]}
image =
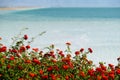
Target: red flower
{"type": "Point", "coordinates": [3, 49]}
{"type": "Point", "coordinates": [103, 67]}
{"type": "Point", "coordinates": [91, 72]}
{"type": "Point", "coordinates": [32, 75]}
{"type": "Point", "coordinates": [14, 51]}
{"type": "Point", "coordinates": [111, 65]}
{"type": "Point", "coordinates": [90, 50]}
{"type": "Point", "coordinates": [49, 68]}
{"type": "Point", "coordinates": [68, 56]}
{"type": "Point", "coordinates": [65, 67]}
{"type": "Point", "coordinates": [77, 53]}
{"type": "Point", "coordinates": [118, 71]}
{"type": "Point", "coordinates": [21, 79]}
{"type": "Point", "coordinates": [56, 68]}
{"type": "Point", "coordinates": [35, 49]}
{"type": "Point", "coordinates": [67, 77]}
{"type": "Point", "coordinates": [36, 61]}
{"type": "Point", "coordinates": [28, 46]}
{"type": "Point", "coordinates": [82, 49]}
{"type": "Point", "coordinates": [99, 70]}
{"type": "Point", "coordinates": [82, 74]}
{"type": "Point", "coordinates": [53, 77]}
{"type": "Point", "coordinates": [70, 65]}
{"type": "Point", "coordinates": [45, 76]}
{"type": "Point", "coordinates": [27, 61]}
{"type": "Point", "coordinates": [62, 55]}
{"type": "Point", "coordinates": [46, 55]}
{"type": "Point", "coordinates": [8, 66]}
{"type": "Point", "coordinates": [112, 75]}
{"type": "Point", "coordinates": [41, 72]}
{"type": "Point", "coordinates": [22, 49]}
{"type": "Point", "coordinates": [51, 52]}
{"type": "Point", "coordinates": [54, 60]}
{"type": "Point", "coordinates": [66, 59]}
{"type": "Point", "coordinates": [18, 55]}
{"type": "Point", "coordinates": [98, 77]}
{"type": "Point", "coordinates": [104, 77]}
{"type": "Point", "coordinates": [60, 52]}
{"type": "Point", "coordinates": [20, 67]}
{"type": "Point", "coordinates": [68, 43]}
{"type": "Point", "coordinates": [25, 37]}
{"type": "Point", "coordinates": [11, 58]}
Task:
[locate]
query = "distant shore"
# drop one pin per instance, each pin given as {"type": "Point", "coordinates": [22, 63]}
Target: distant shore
{"type": "Point", "coordinates": [18, 8]}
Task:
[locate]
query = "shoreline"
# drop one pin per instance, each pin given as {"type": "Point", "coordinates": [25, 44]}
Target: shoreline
{"type": "Point", "coordinates": [19, 8]}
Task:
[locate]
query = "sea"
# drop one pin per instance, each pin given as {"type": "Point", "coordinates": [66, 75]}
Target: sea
{"type": "Point", "coordinates": [96, 28]}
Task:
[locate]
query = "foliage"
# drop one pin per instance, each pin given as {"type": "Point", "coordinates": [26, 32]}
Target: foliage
{"type": "Point", "coordinates": [21, 62]}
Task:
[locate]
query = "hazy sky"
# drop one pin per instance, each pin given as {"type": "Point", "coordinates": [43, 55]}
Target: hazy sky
{"type": "Point", "coordinates": [60, 3]}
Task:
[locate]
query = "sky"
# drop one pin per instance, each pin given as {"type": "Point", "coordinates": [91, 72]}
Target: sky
{"type": "Point", "coordinates": [59, 3]}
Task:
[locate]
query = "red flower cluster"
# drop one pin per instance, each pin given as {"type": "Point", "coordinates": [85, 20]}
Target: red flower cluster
{"type": "Point", "coordinates": [36, 61]}
{"type": "Point", "coordinates": [65, 67]}
{"type": "Point", "coordinates": [27, 61]}
{"type": "Point", "coordinates": [50, 68]}
{"type": "Point", "coordinates": [22, 49]}
{"type": "Point", "coordinates": [61, 53]}
{"type": "Point", "coordinates": [3, 49]}
{"type": "Point", "coordinates": [13, 50]}
{"type": "Point", "coordinates": [45, 77]}
{"type": "Point", "coordinates": [11, 58]}
{"type": "Point", "coordinates": [118, 71]}
{"type": "Point", "coordinates": [22, 64]}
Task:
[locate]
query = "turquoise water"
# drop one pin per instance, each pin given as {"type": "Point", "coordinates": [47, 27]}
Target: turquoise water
{"type": "Point", "coordinates": [75, 12]}
{"type": "Point", "coordinates": [97, 28]}
{"type": "Point", "coordinates": [64, 13]}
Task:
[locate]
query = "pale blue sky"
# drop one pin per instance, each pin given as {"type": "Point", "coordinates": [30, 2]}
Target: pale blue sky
{"type": "Point", "coordinates": [60, 3]}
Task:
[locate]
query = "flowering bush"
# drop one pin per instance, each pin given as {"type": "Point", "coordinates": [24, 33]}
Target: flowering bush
{"type": "Point", "coordinates": [21, 62]}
